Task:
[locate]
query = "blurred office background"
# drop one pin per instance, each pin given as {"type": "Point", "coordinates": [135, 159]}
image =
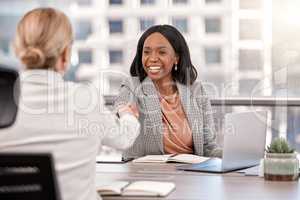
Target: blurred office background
{"type": "Point", "coordinates": [242, 49]}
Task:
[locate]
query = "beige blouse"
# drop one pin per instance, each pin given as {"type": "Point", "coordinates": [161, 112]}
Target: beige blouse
{"type": "Point", "coordinates": [177, 135]}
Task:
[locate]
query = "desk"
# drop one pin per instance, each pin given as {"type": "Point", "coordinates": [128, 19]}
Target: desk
{"type": "Point", "coordinates": [202, 186]}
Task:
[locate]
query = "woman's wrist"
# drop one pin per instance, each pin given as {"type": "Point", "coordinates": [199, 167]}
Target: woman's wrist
{"type": "Point", "coordinates": [127, 109]}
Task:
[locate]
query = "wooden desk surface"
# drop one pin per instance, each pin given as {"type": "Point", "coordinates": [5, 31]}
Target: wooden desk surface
{"type": "Point", "coordinates": [202, 186]}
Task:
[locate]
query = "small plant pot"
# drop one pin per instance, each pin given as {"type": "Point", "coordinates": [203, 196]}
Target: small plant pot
{"type": "Point", "coordinates": [281, 167]}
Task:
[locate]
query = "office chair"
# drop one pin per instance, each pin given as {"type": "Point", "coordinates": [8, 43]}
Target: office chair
{"type": "Point", "coordinates": [9, 96]}
{"type": "Point", "coordinates": [27, 177]}
{"type": "Point", "coordinates": [23, 176]}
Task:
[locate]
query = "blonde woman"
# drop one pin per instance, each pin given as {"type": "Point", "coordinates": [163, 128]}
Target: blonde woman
{"type": "Point", "coordinates": [59, 117]}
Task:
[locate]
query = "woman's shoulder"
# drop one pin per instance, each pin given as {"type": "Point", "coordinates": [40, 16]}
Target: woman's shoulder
{"type": "Point", "coordinates": [197, 88]}
{"type": "Point", "coordinates": [130, 82]}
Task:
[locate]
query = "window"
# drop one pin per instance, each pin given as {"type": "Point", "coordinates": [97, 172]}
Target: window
{"type": "Point", "coordinates": [250, 29]}
{"type": "Point", "coordinates": [213, 25]}
{"type": "Point", "coordinates": [145, 24]}
{"type": "Point", "coordinates": [83, 29]}
{"type": "Point", "coordinates": [114, 85]}
{"type": "Point", "coordinates": [250, 4]}
{"type": "Point", "coordinates": [115, 26]}
{"type": "Point", "coordinates": [115, 56]}
{"type": "Point", "coordinates": [212, 55]}
{"type": "Point", "coordinates": [115, 2]}
{"type": "Point", "coordinates": [180, 1]}
{"type": "Point", "coordinates": [212, 1]}
{"type": "Point", "coordinates": [84, 2]}
{"type": "Point", "coordinates": [9, 24]}
{"type": "Point", "coordinates": [147, 2]}
{"type": "Point", "coordinates": [250, 59]}
{"type": "Point", "coordinates": [248, 87]}
{"type": "Point", "coordinates": [181, 24]}
{"type": "Point", "coordinates": [85, 56]}
{"type": "Point", "coordinates": [213, 82]}
{"type": "Point", "coordinates": [4, 45]}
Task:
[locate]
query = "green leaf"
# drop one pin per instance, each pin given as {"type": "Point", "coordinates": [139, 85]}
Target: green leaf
{"type": "Point", "coordinates": [279, 145]}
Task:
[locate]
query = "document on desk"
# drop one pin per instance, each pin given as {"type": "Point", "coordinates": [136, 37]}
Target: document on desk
{"type": "Point", "coordinates": [136, 188]}
{"type": "Point", "coordinates": [252, 171]}
{"type": "Point", "coordinates": [180, 158]}
{"type": "Point", "coordinates": [109, 159]}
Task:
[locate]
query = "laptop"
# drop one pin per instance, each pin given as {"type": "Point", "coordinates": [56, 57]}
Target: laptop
{"type": "Point", "coordinates": [244, 144]}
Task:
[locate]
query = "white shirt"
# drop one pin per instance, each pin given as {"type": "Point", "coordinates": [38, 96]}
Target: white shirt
{"type": "Point", "coordinates": [70, 121]}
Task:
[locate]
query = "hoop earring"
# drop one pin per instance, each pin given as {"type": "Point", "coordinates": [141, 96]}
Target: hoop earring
{"type": "Point", "coordinates": [175, 67]}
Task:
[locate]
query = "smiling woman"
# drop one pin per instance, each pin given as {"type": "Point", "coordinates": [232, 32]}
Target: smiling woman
{"type": "Point", "coordinates": [175, 112]}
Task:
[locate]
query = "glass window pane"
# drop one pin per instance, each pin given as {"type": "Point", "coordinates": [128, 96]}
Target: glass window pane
{"type": "Point", "coordinates": [4, 45]}
{"type": "Point", "coordinates": [250, 29]}
{"type": "Point", "coordinates": [85, 56]}
{"type": "Point", "coordinates": [213, 25]}
{"type": "Point", "coordinates": [250, 59]}
{"type": "Point", "coordinates": [7, 23]}
{"type": "Point", "coordinates": [247, 86]}
{"type": "Point", "coordinates": [115, 56]}
{"type": "Point", "coordinates": [213, 1]}
{"type": "Point", "coordinates": [115, 2]}
{"type": "Point", "coordinates": [147, 2]}
{"type": "Point", "coordinates": [114, 85]}
{"type": "Point", "coordinates": [213, 55]}
{"type": "Point", "coordinates": [293, 127]}
{"type": "Point", "coordinates": [181, 24]}
{"type": "Point", "coordinates": [180, 1]}
{"type": "Point", "coordinates": [84, 2]}
{"type": "Point", "coordinates": [146, 23]}
{"type": "Point", "coordinates": [115, 26]}
{"type": "Point", "coordinates": [83, 29]}
{"type": "Point", "coordinates": [250, 4]}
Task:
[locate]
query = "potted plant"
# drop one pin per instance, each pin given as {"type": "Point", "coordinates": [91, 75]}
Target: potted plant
{"type": "Point", "coordinates": [280, 162]}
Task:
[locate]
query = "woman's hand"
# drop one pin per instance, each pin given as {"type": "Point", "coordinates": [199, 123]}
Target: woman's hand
{"type": "Point", "coordinates": [129, 108]}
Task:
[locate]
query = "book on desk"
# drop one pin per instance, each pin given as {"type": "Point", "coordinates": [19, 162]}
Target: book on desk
{"type": "Point", "coordinates": [136, 188]}
{"type": "Point", "coordinates": [179, 158]}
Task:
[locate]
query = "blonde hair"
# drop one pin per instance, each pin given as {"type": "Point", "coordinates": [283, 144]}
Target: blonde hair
{"type": "Point", "coordinates": [41, 37]}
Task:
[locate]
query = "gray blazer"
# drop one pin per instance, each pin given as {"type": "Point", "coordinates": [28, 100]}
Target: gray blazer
{"type": "Point", "coordinates": [150, 140]}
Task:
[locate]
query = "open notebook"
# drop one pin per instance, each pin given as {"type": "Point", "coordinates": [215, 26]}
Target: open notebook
{"type": "Point", "coordinates": [180, 158]}
{"type": "Point", "coordinates": [136, 188]}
